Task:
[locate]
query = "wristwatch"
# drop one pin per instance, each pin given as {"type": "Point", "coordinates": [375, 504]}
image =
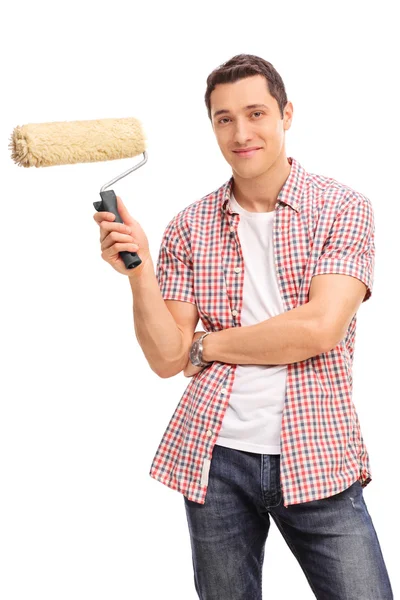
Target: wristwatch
{"type": "Point", "coordinates": [196, 352]}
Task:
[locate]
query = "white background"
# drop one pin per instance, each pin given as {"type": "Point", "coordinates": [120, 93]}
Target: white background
{"type": "Point", "coordinates": [82, 413]}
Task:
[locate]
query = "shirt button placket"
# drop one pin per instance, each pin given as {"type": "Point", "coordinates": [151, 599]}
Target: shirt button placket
{"type": "Point", "coordinates": [236, 269]}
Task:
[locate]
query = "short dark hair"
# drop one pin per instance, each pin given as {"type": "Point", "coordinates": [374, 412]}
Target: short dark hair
{"type": "Point", "coordinates": [242, 66]}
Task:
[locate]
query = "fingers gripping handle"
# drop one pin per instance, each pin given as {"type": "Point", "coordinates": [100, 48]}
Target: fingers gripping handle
{"type": "Point", "coordinates": [108, 203]}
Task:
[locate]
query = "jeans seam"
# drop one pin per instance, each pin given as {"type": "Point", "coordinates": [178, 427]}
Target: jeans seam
{"type": "Point", "coordinates": [263, 495]}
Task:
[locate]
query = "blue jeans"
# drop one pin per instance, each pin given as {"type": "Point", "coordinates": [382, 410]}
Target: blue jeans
{"type": "Point", "coordinates": [333, 539]}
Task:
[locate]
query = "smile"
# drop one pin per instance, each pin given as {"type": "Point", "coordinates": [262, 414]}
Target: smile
{"type": "Point", "coordinates": [247, 153]}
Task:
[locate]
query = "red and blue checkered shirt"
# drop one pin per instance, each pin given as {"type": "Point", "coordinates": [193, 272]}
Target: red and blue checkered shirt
{"type": "Point", "coordinates": [320, 226]}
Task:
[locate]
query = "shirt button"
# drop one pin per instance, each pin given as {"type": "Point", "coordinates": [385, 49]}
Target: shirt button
{"type": "Point", "coordinates": [235, 313]}
{"type": "Point", "coordinates": [209, 433]}
{"type": "Point", "coordinates": [237, 269]}
{"type": "Point", "coordinates": [231, 229]}
{"type": "Point", "coordinates": [224, 391]}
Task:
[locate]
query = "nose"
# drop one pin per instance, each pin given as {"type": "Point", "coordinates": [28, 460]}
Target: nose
{"type": "Point", "coordinates": [242, 133]}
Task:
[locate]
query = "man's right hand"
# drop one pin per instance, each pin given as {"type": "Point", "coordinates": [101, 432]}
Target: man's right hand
{"type": "Point", "coordinates": [115, 238]}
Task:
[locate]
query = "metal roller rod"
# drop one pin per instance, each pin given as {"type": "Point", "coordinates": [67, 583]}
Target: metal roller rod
{"type": "Point", "coordinates": [126, 172]}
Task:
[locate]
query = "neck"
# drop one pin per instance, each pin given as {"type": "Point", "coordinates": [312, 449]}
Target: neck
{"type": "Point", "coordinates": [260, 193]}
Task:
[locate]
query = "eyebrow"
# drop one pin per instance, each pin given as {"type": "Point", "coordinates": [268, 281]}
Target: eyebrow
{"type": "Point", "coordinates": [224, 110]}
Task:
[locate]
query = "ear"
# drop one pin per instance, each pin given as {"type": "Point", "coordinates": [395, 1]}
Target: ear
{"type": "Point", "coordinates": [287, 116]}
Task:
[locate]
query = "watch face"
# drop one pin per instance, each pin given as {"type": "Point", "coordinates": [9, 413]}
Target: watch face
{"type": "Point", "coordinates": [193, 353]}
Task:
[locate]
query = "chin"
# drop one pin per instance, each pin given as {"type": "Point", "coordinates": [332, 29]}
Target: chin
{"type": "Point", "coordinates": [249, 173]}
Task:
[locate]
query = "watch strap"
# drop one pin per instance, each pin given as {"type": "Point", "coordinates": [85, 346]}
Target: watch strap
{"type": "Point", "coordinates": [200, 353]}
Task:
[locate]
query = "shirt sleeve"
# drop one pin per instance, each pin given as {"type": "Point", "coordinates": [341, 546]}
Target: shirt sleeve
{"type": "Point", "coordinates": [174, 270]}
{"type": "Point", "coordinates": [350, 248]}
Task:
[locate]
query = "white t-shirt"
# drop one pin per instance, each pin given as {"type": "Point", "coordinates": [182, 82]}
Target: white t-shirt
{"type": "Point", "coordinates": [252, 421]}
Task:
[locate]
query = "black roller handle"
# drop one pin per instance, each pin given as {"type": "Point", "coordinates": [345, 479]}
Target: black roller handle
{"type": "Point", "coordinates": [108, 203]}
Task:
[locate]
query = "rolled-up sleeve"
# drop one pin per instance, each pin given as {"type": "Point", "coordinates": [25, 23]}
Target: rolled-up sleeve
{"type": "Point", "coordinates": [174, 269]}
{"type": "Point", "coordinates": [350, 247]}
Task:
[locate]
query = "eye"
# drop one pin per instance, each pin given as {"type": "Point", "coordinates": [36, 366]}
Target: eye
{"type": "Point", "coordinates": [260, 112]}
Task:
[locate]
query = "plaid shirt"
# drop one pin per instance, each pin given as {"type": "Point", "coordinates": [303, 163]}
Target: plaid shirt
{"type": "Point", "coordinates": [320, 226]}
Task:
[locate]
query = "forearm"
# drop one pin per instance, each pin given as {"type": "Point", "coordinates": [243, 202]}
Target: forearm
{"type": "Point", "coordinates": [156, 330]}
{"type": "Point", "coordinates": [290, 337]}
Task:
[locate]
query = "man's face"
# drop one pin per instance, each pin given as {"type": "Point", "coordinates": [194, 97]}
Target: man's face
{"type": "Point", "coordinates": [243, 127]}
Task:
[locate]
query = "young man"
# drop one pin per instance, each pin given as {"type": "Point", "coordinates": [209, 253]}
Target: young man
{"type": "Point", "coordinates": [275, 263]}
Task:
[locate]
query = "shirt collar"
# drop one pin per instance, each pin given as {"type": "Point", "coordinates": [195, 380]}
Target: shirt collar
{"type": "Point", "coordinates": [290, 192]}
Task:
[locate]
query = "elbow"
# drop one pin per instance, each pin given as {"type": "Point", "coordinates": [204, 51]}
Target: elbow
{"type": "Point", "coordinates": [166, 375]}
{"type": "Point", "coordinates": [168, 370]}
{"type": "Point", "coordinates": [160, 372]}
{"type": "Point", "coordinates": [172, 367]}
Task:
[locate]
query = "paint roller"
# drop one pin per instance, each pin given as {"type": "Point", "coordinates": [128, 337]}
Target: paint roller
{"type": "Point", "coordinates": [71, 142]}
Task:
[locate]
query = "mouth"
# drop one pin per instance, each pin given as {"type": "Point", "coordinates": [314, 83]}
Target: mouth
{"type": "Point", "coordinates": [246, 153]}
